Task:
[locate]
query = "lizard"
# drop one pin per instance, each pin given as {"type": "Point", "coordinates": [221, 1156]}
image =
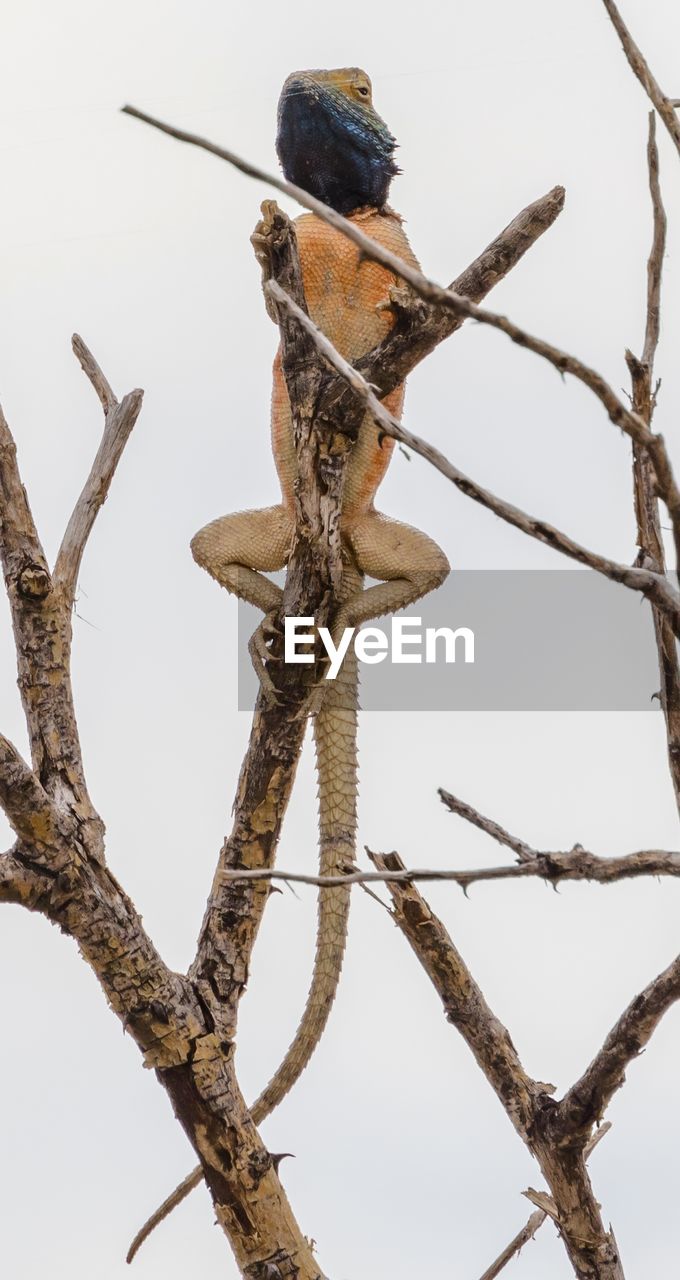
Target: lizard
{"type": "Point", "coordinates": [331, 142]}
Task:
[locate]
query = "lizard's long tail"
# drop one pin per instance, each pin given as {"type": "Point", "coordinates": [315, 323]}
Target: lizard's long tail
{"type": "Point", "coordinates": [335, 734]}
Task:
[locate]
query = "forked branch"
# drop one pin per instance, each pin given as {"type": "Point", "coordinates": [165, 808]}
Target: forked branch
{"type": "Point", "coordinates": [528, 1103]}
{"type": "Point", "coordinates": [57, 868]}
{"type": "Point", "coordinates": [119, 420]}
{"type": "Point", "coordinates": [537, 1218]}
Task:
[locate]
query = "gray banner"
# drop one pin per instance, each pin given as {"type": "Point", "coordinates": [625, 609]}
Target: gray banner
{"type": "Point", "coordinates": [540, 641]}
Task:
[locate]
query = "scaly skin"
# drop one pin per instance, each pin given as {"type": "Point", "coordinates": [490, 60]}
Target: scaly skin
{"type": "Point", "coordinates": [350, 301]}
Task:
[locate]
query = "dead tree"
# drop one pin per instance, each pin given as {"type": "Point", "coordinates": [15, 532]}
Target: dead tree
{"type": "Point", "coordinates": [185, 1024]}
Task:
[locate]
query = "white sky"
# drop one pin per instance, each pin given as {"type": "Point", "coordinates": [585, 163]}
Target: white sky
{"type": "Point", "coordinates": [404, 1160]}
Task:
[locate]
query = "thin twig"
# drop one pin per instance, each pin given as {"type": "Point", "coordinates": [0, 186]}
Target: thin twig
{"type": "Point", "coordinates": [537, 1219]}
{"type": "Point", "coordinates": [656, 253]}
{"type": "Point", "coordinates": [513, 1248]}
{"type": "Point", "coordinates": [649, 535]}
{"type": "Point", "coordinates": [575, 864]}
{"type": "Point", "coordinates": [639, 65]}
{"type": "Point", "coordinates": [94, 373]}
{"type": "Point", "coordinates": [652, 585]}
{"type": "Point", "coordinates": [524, 851]}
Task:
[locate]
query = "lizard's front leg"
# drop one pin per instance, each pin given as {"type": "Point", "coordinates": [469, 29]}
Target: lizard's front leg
{"type": "Point", "coordinates": [238, 550]}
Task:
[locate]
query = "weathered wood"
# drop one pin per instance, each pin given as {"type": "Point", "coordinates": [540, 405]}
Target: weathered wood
{"type": "Point", "coordinates": [558, 1147]}
{"type": "Point", "coordinates": [648, 520]}
{"type": "Point", "coordinates": [57, 868]}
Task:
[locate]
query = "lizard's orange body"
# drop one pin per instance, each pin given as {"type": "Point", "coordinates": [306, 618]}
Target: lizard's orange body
{"type": "Point", "coordinates": [349, 301]}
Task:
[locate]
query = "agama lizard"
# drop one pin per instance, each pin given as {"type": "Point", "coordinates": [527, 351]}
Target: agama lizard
{"type": "Point", "coordinates": [332, 143]}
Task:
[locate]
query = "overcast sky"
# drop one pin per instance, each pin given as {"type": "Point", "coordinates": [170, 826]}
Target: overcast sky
{"type": "Point", "coordinates": [405, 1161]}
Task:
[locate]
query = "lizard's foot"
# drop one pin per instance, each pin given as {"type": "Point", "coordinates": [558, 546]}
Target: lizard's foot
{"type": "Point", "coordinates": [404, 303]}
{"type": "Point", "coordinates": [263, 240]}
{"type": "Point", "coordinates": [261, 655]}
{"type": "Point", "coordinates": [314, 702]}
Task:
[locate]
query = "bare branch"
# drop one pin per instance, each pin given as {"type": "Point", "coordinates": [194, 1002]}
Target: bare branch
{"type": "Point", "coordinates": [464, 810]}
{"type": "Point", "coordinates": [41, 605]}
{"type": "Point", "coordinates": [58, 869]}
{"type": "Point", "coordinates": [665, 106]}
{"type": "Point", "coordinates": [575, 864]}
{"type": "Point", "coordinates": [656, 253]}
{"type": "Point", "coordinates": [463, 1000]}
{"type": "Point", "coordinates": [585, 1103]}
{"type": "Point", "coordinates": [649, 536]}
{"type": "Point", "coordinates": [523, 1237]}
{"type": "Point", "coordinates": [590, 1247]}
{"type": "Point", "coordinates": [23, 559]}
{"type": "Point", "coordinates": [652, 585]}
{"type": "Point", "coordinates": [119, 419]}
{"type": "Point", "coordinates": [93, 372]}
{"type": "Point", "coordinates": [41, 619]}
{"type": "Point", "coordinates": [47, 872]}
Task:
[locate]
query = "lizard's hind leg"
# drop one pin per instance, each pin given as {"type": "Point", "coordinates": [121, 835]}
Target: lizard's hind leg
{"type": "Point", "coordinates": [407, 563]}
{"type": "Point", "coordinates": [238, 550]}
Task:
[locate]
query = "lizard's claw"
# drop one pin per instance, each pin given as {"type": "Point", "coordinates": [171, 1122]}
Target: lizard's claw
{"type": "Point", "coordinates": [261, 655]}
{"type": "Point", "coordinates": [262, 241]}
{"type": "Point", "coordinates": [312, 703]}
{"type": "Point", "coordinates": [402, 302]}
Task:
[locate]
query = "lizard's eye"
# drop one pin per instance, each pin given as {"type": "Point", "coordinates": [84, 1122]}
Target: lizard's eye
{"type": "Point", "coordinates": [363, 90]}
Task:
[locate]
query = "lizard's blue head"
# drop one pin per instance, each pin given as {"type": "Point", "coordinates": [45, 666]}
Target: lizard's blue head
{"type": "Point", "coordinates": [331, 142]}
